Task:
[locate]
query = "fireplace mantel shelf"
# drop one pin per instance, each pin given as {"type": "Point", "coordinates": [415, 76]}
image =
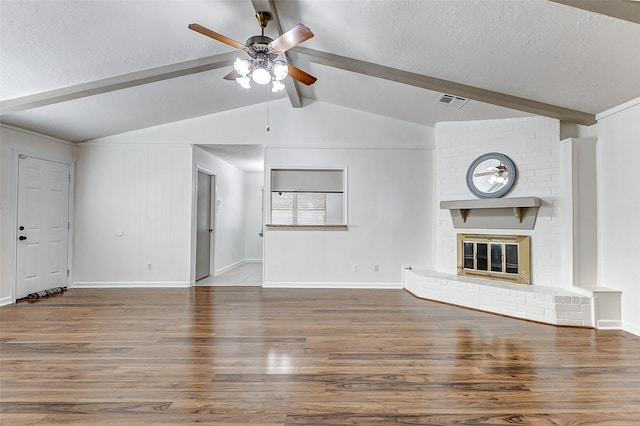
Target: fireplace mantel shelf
{"type": "Point", "coordinates": [494, 213]}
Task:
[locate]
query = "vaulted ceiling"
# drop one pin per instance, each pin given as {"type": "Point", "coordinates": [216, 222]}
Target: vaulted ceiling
{"type": "Point", "coordinates": [80, 70]}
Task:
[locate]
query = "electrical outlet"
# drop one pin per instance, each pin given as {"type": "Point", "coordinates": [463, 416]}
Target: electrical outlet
{"type": "Point", "coordinates": [149, 266]}
{"type": "Point", "coordinates": [354, 268]}
{"type": "Point", "coordinates": [376, 268]}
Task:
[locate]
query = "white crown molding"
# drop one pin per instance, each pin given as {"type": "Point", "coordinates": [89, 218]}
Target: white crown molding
{"type": "Point", "coordinates": [617, 109]}
{"type": "Point", "coordinates": [32, 133]}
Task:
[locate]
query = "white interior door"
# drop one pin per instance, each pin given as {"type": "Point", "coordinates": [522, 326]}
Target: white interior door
{"type": "Point", "coordinates": [204, 228]}
{"type": "Point", "coordinates": [43, 225]}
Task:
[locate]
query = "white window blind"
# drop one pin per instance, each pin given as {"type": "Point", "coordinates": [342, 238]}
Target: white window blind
{"type": "Point", "coordinates": [298, 208]}
{"type": "Point", "coordinates": [295, 180]}
{"type": "Point", "coordinates": [282, 208]}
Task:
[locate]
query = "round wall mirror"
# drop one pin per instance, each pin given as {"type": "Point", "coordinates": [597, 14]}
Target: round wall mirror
{"type": "Point", "coordinates": [491, 175]}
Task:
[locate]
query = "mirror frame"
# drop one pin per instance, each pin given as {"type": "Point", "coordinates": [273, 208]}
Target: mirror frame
{"type": "Point", "coordinates": [511, 169]}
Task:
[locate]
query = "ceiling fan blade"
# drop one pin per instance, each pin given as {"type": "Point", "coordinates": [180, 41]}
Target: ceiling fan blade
{"type": "Point", "coordinates": [232, 75]}
{"type": "Point", "coordinates": [214, 35]}
{"type": "Point", "coordinates": [291, 38]}
{"type": "Point", "coordinates": [484, 174]}
{"type": "Point", "coordinates": [301, 76]}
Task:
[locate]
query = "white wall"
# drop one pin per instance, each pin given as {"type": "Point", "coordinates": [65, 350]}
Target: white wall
{"type": "Point", "coordinates": [389, 199]}
{"type": "Point", "coordinates": [135, 206]}
{"type": "Point", "coordinates": [132, 209]}
{"type": "Point", "coordinates": [619, 204]}
{"type": "Point", "coordinates": [229, 246]}
{"type": "Point", "coordinates": [253, 183]}
{"type": "Point", "coordinates": [13, 142]}
{"type": "Point", "coordinates": [534, 146]}
{"type": "Point", "coordinates": [318, 124]}
{"type": "Point", "coordinates": [134, 195]}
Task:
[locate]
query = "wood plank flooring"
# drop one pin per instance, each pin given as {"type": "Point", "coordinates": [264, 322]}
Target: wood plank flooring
{"type": "Point", "coordinates": [247, 355]}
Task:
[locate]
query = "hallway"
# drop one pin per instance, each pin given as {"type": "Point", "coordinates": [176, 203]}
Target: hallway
{"type": "Point", "coordinates": [248, 274]}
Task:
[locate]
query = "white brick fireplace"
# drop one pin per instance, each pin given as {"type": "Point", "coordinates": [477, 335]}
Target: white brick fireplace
{"type": "Point", "coordinates": [563, 280]}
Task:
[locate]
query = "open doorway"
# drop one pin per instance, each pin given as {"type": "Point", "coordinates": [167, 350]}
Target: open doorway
{"type": "Point", "coordinates": [205, 194]}
{"type": "Point", "coordinates": [235, 219]}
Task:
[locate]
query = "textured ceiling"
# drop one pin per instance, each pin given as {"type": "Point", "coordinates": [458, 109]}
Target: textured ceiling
{"type": "Point", "coordinates": [249, 158]}
{"type": "Point", "coordinates": [533, 49]}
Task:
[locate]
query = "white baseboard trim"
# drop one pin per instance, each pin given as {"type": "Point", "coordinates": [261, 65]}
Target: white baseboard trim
{"type": "Point", "coordinates": [6, 301]}
{"type": "Point", "coordinates": [228, 267]}
{"type": "Point", "coordinates": [631, 328]}
{"type": "Point", "coordinates": [609, 325]}
{"type": "Point", "coordinates": [279, 284]}
{"type": "Point", "coordinates": [131, 284]}
{"type": "Point", "coordinates": [235, 265]}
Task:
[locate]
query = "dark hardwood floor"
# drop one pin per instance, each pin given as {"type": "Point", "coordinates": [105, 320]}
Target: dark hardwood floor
{"type": "Point", "coordinates": [247, 355]}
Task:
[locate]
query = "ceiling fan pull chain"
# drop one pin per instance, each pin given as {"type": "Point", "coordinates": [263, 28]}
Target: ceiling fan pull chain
{"type": "Point", "coordinates": [268, 102]}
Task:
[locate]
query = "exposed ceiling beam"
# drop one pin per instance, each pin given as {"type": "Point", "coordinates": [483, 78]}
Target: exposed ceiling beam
{"type": "Point", "coordinates": [628, 10]}
{"type": "Point", "coordinates": [119, 82]}
{"type": "Point", "coordinates": [290, 84]}
{"type": "Point", "coordinates": [367, 68]}
{"type": "Point", "coordinates": [445, 86]}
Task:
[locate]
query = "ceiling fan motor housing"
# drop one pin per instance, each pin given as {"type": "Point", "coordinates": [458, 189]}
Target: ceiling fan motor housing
{"type": "Point", "coordinates": [259, 44]}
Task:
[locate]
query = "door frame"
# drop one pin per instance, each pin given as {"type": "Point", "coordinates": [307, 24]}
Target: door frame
{"type": "Point", "coordinates": [13, 233]}
{"type": "Point", "coordinates": [194, 220]}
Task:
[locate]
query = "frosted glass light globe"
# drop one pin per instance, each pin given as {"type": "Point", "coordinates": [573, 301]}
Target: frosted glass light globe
{"type": "Point", "coordinates": [276, 86]}
{"type": "Point", "coordinates": [241, 66]}
{"type": "Point", "coordinates": [261, 76]}
{"type": "Point", "coordinates": [244, 82]}
{"type": "Point", "coordinates": [280, 70]}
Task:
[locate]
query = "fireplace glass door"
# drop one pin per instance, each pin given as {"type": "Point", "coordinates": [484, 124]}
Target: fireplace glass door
{"type": "Point", "coordinates": [511, 258]}
{"type": "Point", "coordinates": [495, 257]}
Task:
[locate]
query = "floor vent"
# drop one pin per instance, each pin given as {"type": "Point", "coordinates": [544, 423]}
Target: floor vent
{"type": "Point", "coordinates": [451, 101]}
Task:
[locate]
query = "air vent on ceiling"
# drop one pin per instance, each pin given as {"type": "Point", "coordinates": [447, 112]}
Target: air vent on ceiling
{"type": "Point", "coordinates": [451, 101]}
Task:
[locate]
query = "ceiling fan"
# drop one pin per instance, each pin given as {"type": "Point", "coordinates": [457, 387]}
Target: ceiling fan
{"type": "Point", "coordinates": [498, 176]}
{"type": "Point", "coordinates": [263, 66]}
{"type": "Point", "coordinates": [499, 170]}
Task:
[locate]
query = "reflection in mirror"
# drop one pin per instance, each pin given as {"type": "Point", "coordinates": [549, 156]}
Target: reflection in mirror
{"type": "Point", "coordinates": [491, 175]}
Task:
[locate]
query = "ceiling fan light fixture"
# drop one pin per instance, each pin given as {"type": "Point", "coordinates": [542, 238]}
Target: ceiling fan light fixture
{"type": "Point", "coordinates": [280, 70]}
{"type": "Point", "coordinates": [244, 82]}
{"type": "Point", "coordinates": [260, 75]}
{"type": "Point", "coordinates": [262, 67]}
{"type": "Point", "coordinates": [242, 66]}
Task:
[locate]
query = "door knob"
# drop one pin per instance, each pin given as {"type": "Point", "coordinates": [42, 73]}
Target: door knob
{"type": "Point", "coordinates": [210, 230]}
{"type": "Point", "coordinates": [22, 238]}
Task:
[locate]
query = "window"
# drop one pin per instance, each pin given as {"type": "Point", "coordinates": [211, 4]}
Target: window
{"type": "Point", "coordinates": [298, 208]}
{"type": "Point", "coordinates": [307, 197]}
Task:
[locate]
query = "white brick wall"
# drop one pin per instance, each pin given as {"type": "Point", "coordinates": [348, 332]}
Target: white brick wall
{"type": "Point", "coordinates": [534, 146]}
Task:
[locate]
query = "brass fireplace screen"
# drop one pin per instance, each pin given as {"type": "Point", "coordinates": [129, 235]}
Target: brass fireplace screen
{"type": "Point", "coordinates": [495, 257]}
